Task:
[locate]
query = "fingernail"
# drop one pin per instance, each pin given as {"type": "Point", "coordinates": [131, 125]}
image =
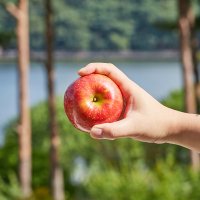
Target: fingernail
{"type": "Point", "coordinates": [96, 132]}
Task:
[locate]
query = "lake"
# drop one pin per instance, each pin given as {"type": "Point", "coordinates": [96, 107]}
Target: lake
{"type": "Point", "coordinates": [157, 78]}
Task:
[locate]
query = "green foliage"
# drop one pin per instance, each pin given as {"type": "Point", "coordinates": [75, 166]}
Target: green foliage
{"type": "Point", "coordinates": [7, 24]}
{"type": "Point", "coordinates": [6, 38]}
{"type": "Point", "coordinates": [110, 24]}
{"type": "Point", "coordinates": [37, 24]}
{"type": "Point", "coordinates": [146, 34]}
{"type": "Point", "coordinates": [175, 100]}
{"type": "Point", "coordinates": [42, 193]}
{"type": "Point", "coordinates": [10, 189]}
{"type": "Point", "coordinates": [162, 183]}
{"type": "Point", "coordinates": [72, 29]}
{"type": "Point", "coordinates": [105, 25]}
{"type": "Point", "coordinates": [93, 169]}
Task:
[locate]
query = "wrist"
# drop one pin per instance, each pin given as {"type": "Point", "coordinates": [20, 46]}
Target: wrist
{"type": "Point", "coordinates": [172, 121]}
{"type": "Point", "coordinates": [183, 129]}
{"type": "Point", "coordinates": [175, 124]}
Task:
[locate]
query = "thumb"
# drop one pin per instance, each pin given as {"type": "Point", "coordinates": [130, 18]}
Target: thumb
{"type": "Point", "coordinates": [110, 130]}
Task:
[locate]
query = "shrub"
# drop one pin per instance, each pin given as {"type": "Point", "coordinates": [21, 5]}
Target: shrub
{"type": "Point", "coordinates": [100, 170]}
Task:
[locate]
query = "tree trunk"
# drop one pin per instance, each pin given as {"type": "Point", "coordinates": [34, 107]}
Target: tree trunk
{"type": "Point", "coordinates": [56, 172]}
{"type": "Point", "coordinates": [194, 44]}
{"type": "Point", "coordinates": [24, 128]}
{"type": "Point", "coordinates": [21, 14]}
{"type": "Point", "coordinates": [187, 58]}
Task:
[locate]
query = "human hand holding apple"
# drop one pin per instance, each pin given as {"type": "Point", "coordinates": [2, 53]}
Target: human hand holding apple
{"type": "Point", "coordinates": [88, 109]}
{"type": "Point", "coordinates": [143, 118]}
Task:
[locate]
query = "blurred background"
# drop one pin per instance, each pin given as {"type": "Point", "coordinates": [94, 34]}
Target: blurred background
{"type": "Point", "coordinates": [42, 45]}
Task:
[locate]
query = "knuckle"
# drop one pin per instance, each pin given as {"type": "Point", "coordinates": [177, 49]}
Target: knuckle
{"type": "Point", "coordinates": [90, 65]}
{"type": "Point", "coordinates": [110, 133]}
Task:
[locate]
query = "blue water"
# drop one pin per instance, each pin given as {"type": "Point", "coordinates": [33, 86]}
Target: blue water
{"type": "Point", "coordinates": [157, 78]}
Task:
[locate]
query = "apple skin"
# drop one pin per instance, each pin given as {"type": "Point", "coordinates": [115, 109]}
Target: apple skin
{"type": "Point", "coordinates": [93, 99]}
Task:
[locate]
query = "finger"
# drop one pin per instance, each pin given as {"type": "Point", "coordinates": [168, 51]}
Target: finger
{"type": "Point", "coordinates": [111, 130]}
{"type": "Point", "coordinates": [109, 70]}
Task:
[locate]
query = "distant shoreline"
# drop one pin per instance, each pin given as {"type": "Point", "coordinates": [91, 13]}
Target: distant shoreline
{"type": "Point", "coordinates": [166, 55]}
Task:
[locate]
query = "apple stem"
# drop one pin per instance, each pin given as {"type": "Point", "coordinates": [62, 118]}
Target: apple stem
{"type": "Point", "coordinates": [94, 99]}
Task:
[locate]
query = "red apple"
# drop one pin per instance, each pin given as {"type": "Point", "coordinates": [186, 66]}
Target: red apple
{"type": "Point", "coordinates": [93, 99]}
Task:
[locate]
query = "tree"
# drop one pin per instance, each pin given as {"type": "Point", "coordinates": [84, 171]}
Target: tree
{"type": "Point", "coordinates": [187, 58]}
{"type": "Point", "coordinates": [110, 25]}
{"type": "Point", "coordinates": [20, 12]}
{"type": "Point", "coordinates": [56, 171]}
{"type": "Point", "coordinates": [194, 44]}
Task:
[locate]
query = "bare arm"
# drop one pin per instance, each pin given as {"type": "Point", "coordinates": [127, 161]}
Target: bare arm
{"type": "Point", "coordinates": [145, 119]}
{"type": "Point", "coordinates": [184, 130]}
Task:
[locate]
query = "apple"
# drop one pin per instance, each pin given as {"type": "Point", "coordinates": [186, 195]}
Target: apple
{"type": "Point", "coordinates": [93, 99]}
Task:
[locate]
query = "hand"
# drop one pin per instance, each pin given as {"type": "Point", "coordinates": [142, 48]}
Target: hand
{"type": "Point", "coordinates": [145, 119]}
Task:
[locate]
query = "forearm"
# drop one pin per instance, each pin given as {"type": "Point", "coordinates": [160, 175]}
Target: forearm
{"type": "Point", "coordinates": [184, 130]}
